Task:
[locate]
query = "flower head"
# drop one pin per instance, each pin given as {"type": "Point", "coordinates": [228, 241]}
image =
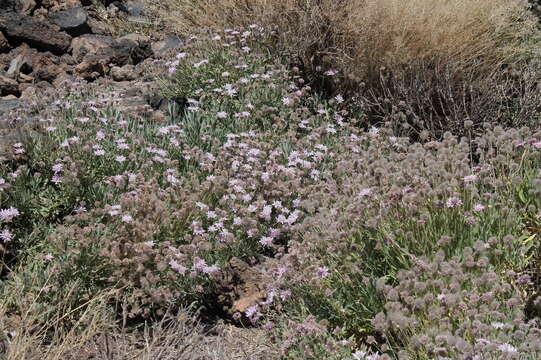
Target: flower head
{"type": "Point", "coordinates": [453, 202]}
{"type": "Point", "coordinates": [6, 235]}
{"type": "Point", "coordinates": [322, 272]}
{"type": "Point", "coordinates": [8, 214]}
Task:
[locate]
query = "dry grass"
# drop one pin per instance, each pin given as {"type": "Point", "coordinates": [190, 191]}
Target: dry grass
{"type": "Point", "coordinates": [362, 36]}
{"type": "Point", "coordinates": [30, 330]}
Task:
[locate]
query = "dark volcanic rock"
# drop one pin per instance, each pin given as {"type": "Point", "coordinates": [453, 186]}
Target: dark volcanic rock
{"type": "Point", "coordinates": [138, 48]}
{"type": "Point", "coordinates": [8, 5]}
{"type": "Point", "coordinates": [73, 21]}
{"type": "Point", "coordinates": [25, 29]}
{"type": "Point", "coordinates": [8, 86]}
{"type": "Point", "coordinates": [4, 44]}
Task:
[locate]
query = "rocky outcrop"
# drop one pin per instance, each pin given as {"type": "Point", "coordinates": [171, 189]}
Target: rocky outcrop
{"type": "Point", "coordinates": [127, 50]}
{"type": "Point", "coordinates": [20, 28]}
{"type": "Point", "coordinates": [46, 45]}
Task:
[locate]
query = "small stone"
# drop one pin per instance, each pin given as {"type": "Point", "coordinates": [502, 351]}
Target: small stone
{"type": "Point", "coordinates": [25, 78]}
{"type": "Point", "coordinates": [158, 117]}
{"type": "Point", "coordinates": [124, 73]}
{"type": "Point", "coordinates": [134, 39]}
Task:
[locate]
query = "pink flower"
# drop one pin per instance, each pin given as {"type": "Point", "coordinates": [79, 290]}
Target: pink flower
{"type": "Point", "coordinates": [211, 269]}
{"type": "Point", "coordinates": [365, 192]}
{"type": "Point", "coordinates": [120, 158]}
{"type": "Point", "coordinates": [57, 167]}
{"type": "Point", "coordinates": [177, 267]}
{"type": "Point", "coordinates": [199, 265]}
{"type": "Point", "coordinates": [454, 202]}
{"type": "Point", "coordinates": [127, 218]}
{"type": "Point", "coordinates": [6, 235]}
{"type": "Point", "coordinates": [57, 179]}
{"type": "Point", "coordinates": [285, 294]}
{"type": "Point", "coordinates": [8, 214]}
{"type": "Point", "coordinates": [470, 178]}
{"type": "Point", "coordinates": [322, 272]}
{"type": "Point", "coordinates": [266, 240]}
{"type": "Point", "coordinates": [172, 179]}
{"type": "Point", "coordinates": [114, 210]}
{"type": "Point", "coordinates": [252, 313]}
{"type": "Point", "coordinates": [221, 115]}
{"type": "Point", "coordinates": [266, 212]}
{"type": "Point", "coordinates": [478, 207]}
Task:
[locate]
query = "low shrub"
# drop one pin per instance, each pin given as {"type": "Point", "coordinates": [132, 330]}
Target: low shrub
{"type": "Point", "coordinates": [457, 308]}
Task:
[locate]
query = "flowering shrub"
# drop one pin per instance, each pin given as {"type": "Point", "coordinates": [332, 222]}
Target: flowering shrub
{"type": "Point", "coordinates": [323, 205]}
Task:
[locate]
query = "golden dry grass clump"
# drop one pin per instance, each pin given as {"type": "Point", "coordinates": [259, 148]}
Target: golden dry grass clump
{"type": "Point", "coordinates": [361, 36]}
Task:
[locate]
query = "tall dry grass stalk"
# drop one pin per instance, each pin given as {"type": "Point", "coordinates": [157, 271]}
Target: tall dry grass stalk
{"type": "Point", "coordinates": [363, 36]}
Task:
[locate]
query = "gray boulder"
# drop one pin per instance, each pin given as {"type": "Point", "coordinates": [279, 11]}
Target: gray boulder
{"type": "Point", "coordinates": [73, 21]}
